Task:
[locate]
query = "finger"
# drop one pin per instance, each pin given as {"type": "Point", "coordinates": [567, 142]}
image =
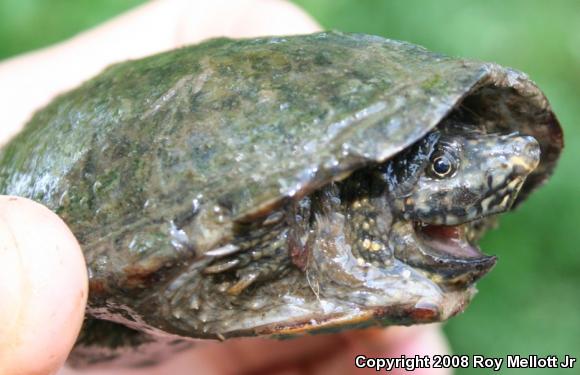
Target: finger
{"type": "Point", "coordinates": [43, 288]}
{"type": "Point", "coordinates": [241, 19]}
{"type": "Point", "coordinates": [391, 342]}
{"type": "Point", "coordinates": [268, 356]}
{"type": "Point", "coordinates": [235, 356]}
{"type": "Point", "coordinates": [395, 342]}
{"type": "Point", "coordinates": [321, 354]}
{"type": "Point", "coordinates": [32, 80]}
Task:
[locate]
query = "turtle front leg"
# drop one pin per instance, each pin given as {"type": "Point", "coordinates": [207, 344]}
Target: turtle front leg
{"type": "Point", "coordinates": [264, 259]}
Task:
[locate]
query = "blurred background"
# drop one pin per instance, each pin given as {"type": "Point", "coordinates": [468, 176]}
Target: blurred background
{"type": "Point", "coordinates": [530, 304]}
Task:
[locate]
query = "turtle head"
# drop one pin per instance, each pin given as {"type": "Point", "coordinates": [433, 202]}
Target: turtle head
{"type": "Point", "coordinates": [455, 179]}
{"type": "Point", "coordinates": [444, 191]}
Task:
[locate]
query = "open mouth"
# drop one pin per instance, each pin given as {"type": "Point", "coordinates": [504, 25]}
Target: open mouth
{"type": "Point", "coordinates": [450, 251]}
{"type": "Point", "coordinates": [448, 240]}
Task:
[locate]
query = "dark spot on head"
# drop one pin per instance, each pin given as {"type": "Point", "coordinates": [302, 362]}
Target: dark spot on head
{"type": "Point", "coordinates": [464, 197]}
{"type": "Point", "coordinates": [458, 211]}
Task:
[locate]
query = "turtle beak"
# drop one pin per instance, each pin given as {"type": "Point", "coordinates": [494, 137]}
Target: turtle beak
{"type": "Point", "coordinates": [447, 252]}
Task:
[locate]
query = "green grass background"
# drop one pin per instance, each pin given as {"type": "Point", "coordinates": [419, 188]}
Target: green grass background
{"type": "Point", "coordinates": [530, 304]}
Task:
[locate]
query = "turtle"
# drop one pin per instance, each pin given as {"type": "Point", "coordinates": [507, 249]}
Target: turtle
{"type": "Point", "coordinates": [278, 186]}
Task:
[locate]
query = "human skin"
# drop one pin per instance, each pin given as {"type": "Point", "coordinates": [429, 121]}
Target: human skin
{"type": "Point", "coordinates": [43, 281]}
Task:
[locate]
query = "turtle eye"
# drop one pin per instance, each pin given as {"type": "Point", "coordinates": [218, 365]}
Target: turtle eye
{"type": "Point", "coordinates": [442, 165]}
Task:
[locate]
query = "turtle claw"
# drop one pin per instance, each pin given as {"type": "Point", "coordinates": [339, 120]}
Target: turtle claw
{"type": "Point", "coordinates": [221, 267]}
{"type": "Point", "coordinates": [242, 284]}
{"type": "Point", "coordinates": [223, 251]}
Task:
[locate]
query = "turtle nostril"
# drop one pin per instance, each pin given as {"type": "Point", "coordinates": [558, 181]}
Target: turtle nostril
{"type": "Point", "coordinates": [525, 151]}
{"type": "Point", "coordinates": [532, 149]}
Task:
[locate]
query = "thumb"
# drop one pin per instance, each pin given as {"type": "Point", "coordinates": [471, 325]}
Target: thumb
{"type": "Point", "coordinates": [43, 288]}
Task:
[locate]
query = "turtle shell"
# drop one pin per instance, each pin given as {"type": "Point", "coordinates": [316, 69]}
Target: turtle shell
{"type": "Point", "coordinates": [155, 161]}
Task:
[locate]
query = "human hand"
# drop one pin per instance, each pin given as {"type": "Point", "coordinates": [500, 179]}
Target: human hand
{"type": "Point", "coordinates": [43, 288]}
{"type": "Point", "coordinates": [32, 80]}
{"type": "Point", "coordinates": [48, 319]}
